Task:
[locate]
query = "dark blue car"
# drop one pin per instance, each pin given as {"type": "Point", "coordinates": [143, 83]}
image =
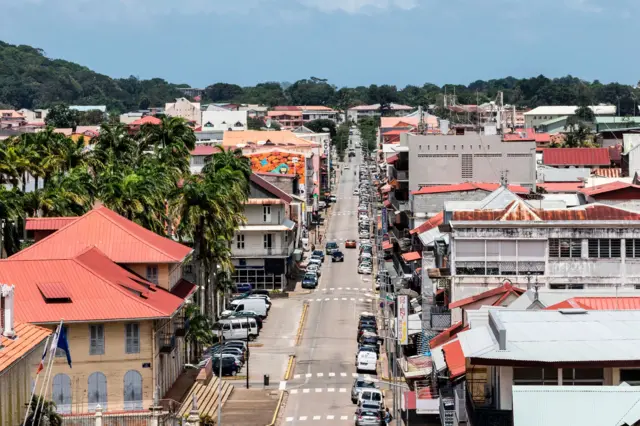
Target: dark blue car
{"type": "Point", "coordinates": [337, 256]}
{"type": "Point", "coordinates": [310, 281]}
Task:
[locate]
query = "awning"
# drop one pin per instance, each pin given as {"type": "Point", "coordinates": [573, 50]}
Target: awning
{"type": "Point", "coordinates": [387, 204]}
{"type": "Point", "coordinates": [183, 289]}
{"type": "Point", "coordinates": [392, 159]}
{"type": "Point", "coordinates": [411, 256]}
{"type": "Point", "coordinates": [386, 188]}
{"type": "Point", "coordinates": [454, 357]}
{"type": "Point", "coordinates": [387, 245]}
{"type": "Point", "coordinates": [417, 366]}
{"type": "Point", "coordinates": [408, 400]}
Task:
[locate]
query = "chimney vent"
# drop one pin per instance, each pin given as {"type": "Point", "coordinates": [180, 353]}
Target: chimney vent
{"type": "Point", "coordinates": [6, 308]}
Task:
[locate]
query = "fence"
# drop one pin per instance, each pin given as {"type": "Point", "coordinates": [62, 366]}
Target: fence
{"type": "Point", "coordinates": [147, 418]}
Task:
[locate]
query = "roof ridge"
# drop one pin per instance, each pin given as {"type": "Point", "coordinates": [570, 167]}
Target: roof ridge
{"type": "Point", "coordinates": [48, 236]}
{"type": "Point", "coordinates": [100, 210]}
{"type": "Point", "coordinates": [116, 286]}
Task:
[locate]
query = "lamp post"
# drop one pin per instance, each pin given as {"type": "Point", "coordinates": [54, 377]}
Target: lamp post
{"type": "Point", "coordinates": [248, 354]}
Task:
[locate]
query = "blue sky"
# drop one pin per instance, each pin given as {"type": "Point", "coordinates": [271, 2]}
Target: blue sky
{"type": "Point", "coordinates": [349, 42]}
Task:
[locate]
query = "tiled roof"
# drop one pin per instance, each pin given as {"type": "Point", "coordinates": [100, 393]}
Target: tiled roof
{"type": "Point", "coordinates": [608, 187]}
{"type": "Point", "coordinates": [576, 157]}
{"type": "Point", "coordinates": [454, 357]}
{"type": "Point", "coordinates": [29, 336]}
{"type": "Point", "coordinates": [205, 150]}
{"type": "Point", "coordinates": [120, 239]}
{"type": "Point", "coordinates": [48, 223]}
{"type": "Point", "coordinates": [520, 211]}
{"type": "Point", "coordinates": [613, 172]}
{"type": "Point", "coordinates": [149, 119]}
{"type": "Point", "coordinates": [468, 186]}
{"type": "Point", "coordinates": [250, 138]}
{"type": "Point", "coordinates": [411, 256]}
{"type": "Point", "coordinates": [599, 304]}
{"type": "Point", "coordinates": [437, 220]}
{"type": "Point", "coordinates": [503, 290]}
{"type": "Point", "coordinates": [97, 290]}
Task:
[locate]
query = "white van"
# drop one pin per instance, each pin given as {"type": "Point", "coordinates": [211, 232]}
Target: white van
{"type": "Point", "coordinates": [236, 328]}
{"type": "Point", "coordinates": [367, 361]}
{"type": "Point", "coordinates": [256, 305]}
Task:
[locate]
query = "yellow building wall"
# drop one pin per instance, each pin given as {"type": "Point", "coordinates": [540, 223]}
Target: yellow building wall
{"type": "Point", "coordinates": [15, 387]}
{"type": "Point", "coordinates": [163, 272]}
{"type": "Point", "coordinates": [114, 364]}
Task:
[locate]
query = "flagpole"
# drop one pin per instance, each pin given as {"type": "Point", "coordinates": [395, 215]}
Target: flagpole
{"type": "Point", "coordinates": [52, 356]}
{"type": "Point", "coordinates": [35, 383]}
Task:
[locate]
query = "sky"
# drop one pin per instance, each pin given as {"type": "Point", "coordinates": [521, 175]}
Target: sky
{"type": "Point", "coordinates": [348, 42]}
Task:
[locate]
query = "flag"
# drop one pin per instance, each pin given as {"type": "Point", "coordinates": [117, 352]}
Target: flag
{"type": "Point", "coordinates": [44, 355]}
{"type": "Point", "coordinates": [64, 344]}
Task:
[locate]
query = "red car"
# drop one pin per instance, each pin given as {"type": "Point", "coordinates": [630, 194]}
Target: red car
{"type": "Point", "coordinates": [350, 244]}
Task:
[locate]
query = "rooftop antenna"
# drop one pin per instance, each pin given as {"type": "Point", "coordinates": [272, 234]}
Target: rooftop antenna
{"type": "Point", "coordinates": [535, 287]}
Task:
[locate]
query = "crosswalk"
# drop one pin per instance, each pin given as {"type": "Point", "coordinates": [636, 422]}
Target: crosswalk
{"type": "Point", "coordinates": [333, 374]}
{"type": "Point", "coordinates": [340, 299]}
{"type": "Point", "coordinates": [345, 288]}
{"type": "Point", "coordinates": [323, 417]}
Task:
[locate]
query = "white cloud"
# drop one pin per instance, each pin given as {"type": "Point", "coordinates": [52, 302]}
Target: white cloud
{"type": "Point", "coordinates": [359, 6]}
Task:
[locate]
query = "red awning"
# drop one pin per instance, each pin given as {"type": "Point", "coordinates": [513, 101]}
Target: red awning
{"type": "Point", "coordinates": [418, 270]}
{"type": "Point", "coordinates": [409, 400]}
{"type": "Point", "coordinates": [387, 245]}
{"type": "Point", "coordinates": [392, 159]}
{"type": "Point", "coordinates": [386, 188]}
{"type": "Point", "coordinates": [411, 257]}
{"type": "Point", "coordinates": [387, 204]}
{"type": "Point", "coordinates": [454, 357]}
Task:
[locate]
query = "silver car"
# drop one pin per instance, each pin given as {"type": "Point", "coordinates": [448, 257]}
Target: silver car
{"type": "Point", "coordinates": [366, 417]}
{"type": "Point", "coordinates": [359, 385]}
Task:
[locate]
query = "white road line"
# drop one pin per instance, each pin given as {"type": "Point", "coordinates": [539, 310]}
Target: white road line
{"type": "Point", "coordinates": [339, 288]}
{"type": "Point", "coordinates": [330, 417]}
{"type": "Point", "coordinates": [302, 418]}
{"type": "Point", "coordinates": [327, 298]}
{"type": "Point", "coordinates": [360, 300]}
{"type": "Point", "coordinates": [308, 375]}
{"type": "Point", "coordinates": [317, 417]}
{"type": "Point", "coordinates": [354, 375]}
{"type": "Point", "coordinates": [353, 298]}
{"type": "Point", "coordinates": [320, 374]}
{"type": "Point", "coordinates": [318, 390]}
{"type": "Point", "coordinates": [296, 376]}
{"type": "Point", "coordinates": [332, 374]}
{"type": "Point", "coordinates": [344, 298]}
{"type": "Point", "coordinates": [344, 417]}
{"type": "Point", "coordinates": [283, 385]}
{"type": "Point", "coordinates": [343, 374]}
{"type": "Point", "coordinates": [343, 390]}
{"type": "Point", "coordinates": [289, 419]}
{"type": "Point", "coordinates": [306, 390]}
{"type": "Point", "coordinates": [335, 298]}
{"type": "Point", "coordinates": [331, 288]}
{"type": "Point", "coordinates": [331, 390]}
{"type": "Point", "coordinates": [292, 391]}
{"type": "Point", "coordinates": [348, 288]}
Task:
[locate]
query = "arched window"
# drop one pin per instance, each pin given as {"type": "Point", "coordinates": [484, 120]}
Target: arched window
{"type": "Point", "coordinates": [132, 390]}
{"type": "Point", "coordinates": [62, 393]}
{"type": "Point", "coordinates": [97, 391]}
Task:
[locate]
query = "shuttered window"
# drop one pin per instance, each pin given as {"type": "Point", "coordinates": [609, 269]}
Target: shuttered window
{"type": "Point", "coordinates": [132, 338]}
{"type": "Point", "coordinates": [96, 339]}
{"type": "Point", "coordinates": [604, 248]}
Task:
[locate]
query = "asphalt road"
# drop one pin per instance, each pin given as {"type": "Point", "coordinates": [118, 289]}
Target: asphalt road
{"type": "Point", "coordinates": [320, 386]}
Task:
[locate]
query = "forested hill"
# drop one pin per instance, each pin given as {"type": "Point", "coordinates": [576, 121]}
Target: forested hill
{"type": "Point", "coordinates": [29, 79]}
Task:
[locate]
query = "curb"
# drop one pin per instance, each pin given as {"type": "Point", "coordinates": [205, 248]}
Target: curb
{"type": "Point", "coordinates": [275, 414]}
{"type": "Point", "coordinates": [303, 316]}
{"type": "Point", "coordinates": [287, 374]}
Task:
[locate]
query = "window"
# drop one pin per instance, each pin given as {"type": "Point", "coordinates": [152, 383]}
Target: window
{"type": "Point", "coordinates": [97, 391]}
{"type": "Point", "coordinates": [630, 376]}
{"type": "Point", "coordinates": [268, 241]}
{"type": "Point", "coordinates": [467, 166]}
{"type": "Point", "coordinates": [132, 338]}
{"type": "Point", "coordinates": [240, 241]}
{"type": "Point", "coordinates": [133, 390]}
{"type": "Point", "coordinates": [152, 273]}
{"type": "Point", "coordinates": [604, 248]}
{"type": "Point", "coordinates": [566, 286]}
{"type": "Point", "coordinates": [565, 247]}
{"type": "Point", "coordinates": [96, 339]}
{"type": "Point", "coordinates": [266, 214]}
{"type": "Point", "coordinates": [535, 376]}
{"type": "Point", "coordinates": [632, 247]}
{"type": "Point", "coordinates": [582, 376]}
{"type": "Point", "coordinates": [61, 393]}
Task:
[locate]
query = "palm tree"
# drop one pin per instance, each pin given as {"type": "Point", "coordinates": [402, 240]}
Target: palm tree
{"type": "Point", "coordinates": [11, 211]}
{"type": "Point", "coordinates": [46, 414]}
{"type": "Point", "coordinates": [198, 329]}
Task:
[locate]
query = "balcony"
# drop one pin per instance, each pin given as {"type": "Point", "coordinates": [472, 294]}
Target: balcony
{"type": "Point", "coordinates": [485, 414]}
{"type": "Point", "coordinates": [260, 252]}
{"type": "Point", "coordinates": [166, 343]}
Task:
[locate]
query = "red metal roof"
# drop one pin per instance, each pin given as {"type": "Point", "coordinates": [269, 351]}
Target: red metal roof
{"type": "Point", "coordinates": [503, 290]}
{"type": "Point", "coordinates": [447, 335]}
{"type": "Point", "coordinates": [54, 290]}
{"type": "Point", "coordinates": [437, 220]}
{"type": "Point", "coordinates": [48, 223]}
{"type": "Point", "coordinates": [395, 132]}
{"type": "Point", "coordinates": [269, 187]}
{"type": "Point", "coordinates": [576, 157]}
{"type": "Point", "coordinates": [393, 159]}
{"type": "Point", "coordinates": [99, 290]}
{"type": "Point", "coordinates": [519, 211]}
{"type": "Point", "coordinates": [411, 256]}
{"type": "Point", "coordinates": [599, 304]}
{"type": "Point", "coordinates": [613, 172]}
{"type": "Point", "coordinates": [28, 337]}
{"type": "Point", "coordinates": [205, 150]}
{"type": "Point", "coordinates": [149, 119]}
{"type": "Point", "coordinates": [120, 239]}
{"type": "Point", "coordinates": [608, 187]}
{"type": "Point", "coordinates": [468, 186]}
{"type": "Point", "coordinates": [387, 245]}
{"type": "Point", "coordinates": [561, 186]}
{"type": "Point", "coordinates": [387, 203]}
{"type": "Point", "coordinates": [454, 357]}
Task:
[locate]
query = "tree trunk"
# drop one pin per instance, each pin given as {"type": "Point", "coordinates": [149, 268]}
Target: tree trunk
{"type": "Point", "coordinates": [197, 264]}
{"type": "Point", "coordinates": [214, 288]}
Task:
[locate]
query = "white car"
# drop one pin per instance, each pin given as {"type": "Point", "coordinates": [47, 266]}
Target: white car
{"type": "Point", "coordinates": [356, 192]}
{"type": "Point", "coordinates": [364, 268]}
{"type": "Point", "coordinates": [346, 167]}
{"type": "Point", "coordinates": [314, 267]}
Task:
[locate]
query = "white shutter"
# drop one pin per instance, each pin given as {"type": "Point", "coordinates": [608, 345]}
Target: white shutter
{"type": "Point", "coordinates": [531, 251]}
{"type": "Point", "coordinates": [469, 250]}
{"type": "Point", "coordinates": [508, 251]}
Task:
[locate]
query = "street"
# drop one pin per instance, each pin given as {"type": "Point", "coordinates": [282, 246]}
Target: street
{"type": "Point", "coordinates": [320, 385]}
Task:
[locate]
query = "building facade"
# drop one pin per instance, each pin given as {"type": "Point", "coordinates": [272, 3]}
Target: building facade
{"type": "Point", "coordinates": [182, 107]}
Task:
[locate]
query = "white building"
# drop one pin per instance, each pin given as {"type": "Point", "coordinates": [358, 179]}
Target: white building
{"type": "Point", "coordinates": [262, 248]}
{"type": "Point", "coordinates": [34, 116]}
{"type": "Point", "coordinates": [182, 107]}
{"type": "Point", "coordinates": [360, 111]}
{"type": "Point", "coordinates": [225, 120]}
{"type": "Point", "coordinates": [541, 114]}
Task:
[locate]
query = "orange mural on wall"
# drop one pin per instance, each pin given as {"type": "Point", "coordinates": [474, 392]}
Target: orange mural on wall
{"type": "Point", "coordinates": [278, 162]}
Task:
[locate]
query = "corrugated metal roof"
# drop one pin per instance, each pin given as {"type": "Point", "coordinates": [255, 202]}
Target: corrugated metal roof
{"type": "Point", "coordinates": [432, 223]}
{"type": "Point", "coordinates": [446, 335]}
{"type": "Point", "coordinates": [599, 303]}
{"type": "Point", "coordinates": [554, 336]}
{"type": "Point", "coordinates": [120, 239]}
{"type": "Point", "coordinates": [454, 358]}
{"type": "Point", "coordinates": [54, 290]}
{"type": "Point", "coordinates": [411, 256]}
{"type": "Point", "coordinates": [99, 290]}
{"type": "Point", "coordinates": [608, 187]}
{"type": "Point", "coordinates": [575, 405]}
{"type": "Point", "coordinates": [576, 157]}
{"type": "Point", "coordinates": [28, 337]}
{"type": "Point", "coordinates": [468, 186]}
{"type": "Point", "coordinates": [547, 297]}
{"type": "Point", "coordinates": [505, 289]}
{"type": "Point", "coordinates": [48, 223]}
{"type": "Point", "coordinates": [269, 187]}
{"type": "Point", "coordinates": [613, 172]}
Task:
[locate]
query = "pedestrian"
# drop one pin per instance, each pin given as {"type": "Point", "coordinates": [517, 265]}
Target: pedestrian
{"type": "Point", "coordinates": [387, 417]}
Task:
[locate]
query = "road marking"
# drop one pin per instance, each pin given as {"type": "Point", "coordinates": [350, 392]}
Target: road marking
{"type": "Point", "coordinates": [327, 298]}
{"type": "Point", "coordinates": [343, 390]}
{"type": "Point", "coordinates": [320, 374]}
{"type": "Point", "coordinates": [292, 391]}
{"type": "Point", "coordinates": [339, 288]}
{"type": "Point", "coordinates": [353, 298]}
{"type": "Point", "coordinates": [289, 419]}
{"type": "Point", "coordinates": [318, 300]}
{"type": "Point", "coordinates": [344, 298]}
{"type": "Point", "coordinates": [354, 375]}
{"type": "Point", "coordinates": [296, 376]}
{"type": "Point", "coordinates": [306, 390]}
{"type": "Point", "coordinates": [343, 374]}
{"type": "Point", "coordinates": [317, 417]}
{"type": "Point", "coordinates": [331, 390]}
{"type": "Point", "coordinates": [335, 298]}
{"type": "Point", "coordinates": [302, 418]}
{"type": "Point", "coordinates": [360, 300]}
{"type": "Point", "coordinates": [348, 288]}
{"type": "Point", "coordinates": [344, 417]}
{"type": "Point", "coordinates": [318, 390]}
{"type": "Point", "coordinates": [283, 385]}
{"type": "Point", "coordinates": [331, 288]}
{"type": "Point", "coordinates": [308, 375]}
{"type": "Point", "coordinates": [332, 374]}
{"type": "Point", "coordinates": [330, 417]}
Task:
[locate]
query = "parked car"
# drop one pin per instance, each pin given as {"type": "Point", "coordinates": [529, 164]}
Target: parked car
{"type": "Point", "coordinates": [310, 280]}
{"type": "Point", "coordinates": [243, 287]}
{"type": "Point", "coordinates": [356, 192]}
{"type": "Point", "coordinates": [350, 244]}
{"type": "Point", "coordinates": [315, 268]}
{"type": "Point", "coordinates": [330, 247]}
{"type": "Point", "coordinates": [365, 268]}
{"type": "Point", "coordinates": [371, 396]}
{"type": "Point", "coordinates": [318, 254]}
{"type": "Point", "coordinates": [369, 415]}
{"type": "Point", "coordinates": [359, 385]}
{"type": "Point", "coordinates": [367, 361]}
{"type": "Point", "coordinates": [259, 306]}
{"type": "Point", "coordinates": [315, 261]}
{"type": "Point", "coordinates": [244, 314]}
{"type": "Point", "coordinates": [337, 256]}
{"type": "Point", "coordinates": [229, 367]}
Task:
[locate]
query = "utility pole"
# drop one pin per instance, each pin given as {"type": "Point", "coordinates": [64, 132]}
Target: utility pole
{"type": "Point", "coordinates": [248, 354]}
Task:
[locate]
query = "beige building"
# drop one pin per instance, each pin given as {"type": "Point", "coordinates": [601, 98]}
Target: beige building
{"type": "Point", "coordinates": [21, 347]}
{"type": "Point", "coordinates": [182, 107]}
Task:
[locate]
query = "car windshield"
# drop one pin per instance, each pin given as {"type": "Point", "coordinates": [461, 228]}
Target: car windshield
{"type": "Point", "coordinates": [332, 245]}
{"type": "Point", "coordinates": [310, 277]}
{"type": "Point", "coordinates": [318, 253]}
{"type": "Point", "coordinates": [365, 384]}
{"type": "Point", "coordinates": [369, 413]}
{"type": "Point", "coordinates": [313, 267]}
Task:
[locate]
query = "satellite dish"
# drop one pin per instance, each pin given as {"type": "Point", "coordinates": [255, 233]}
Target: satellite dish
{"type": "Point", "coordinates": [268, 123]}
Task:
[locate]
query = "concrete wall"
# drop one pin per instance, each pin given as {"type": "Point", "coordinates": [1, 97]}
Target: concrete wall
{"type": "Point", "coordinates": [255, 214]}
{"type": "Point", "coordinates": [15, 387]}
{"type": "Point", "coordinates": [283, 183]}
{"type": "Point", "coordinates": [164, 280]}
{"type": "Point", "coordinates": [224, 120]}
{"type": "Point", "coordinates": [438, 160]}
{"type": "Point", "coordinates": [434, 203]}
